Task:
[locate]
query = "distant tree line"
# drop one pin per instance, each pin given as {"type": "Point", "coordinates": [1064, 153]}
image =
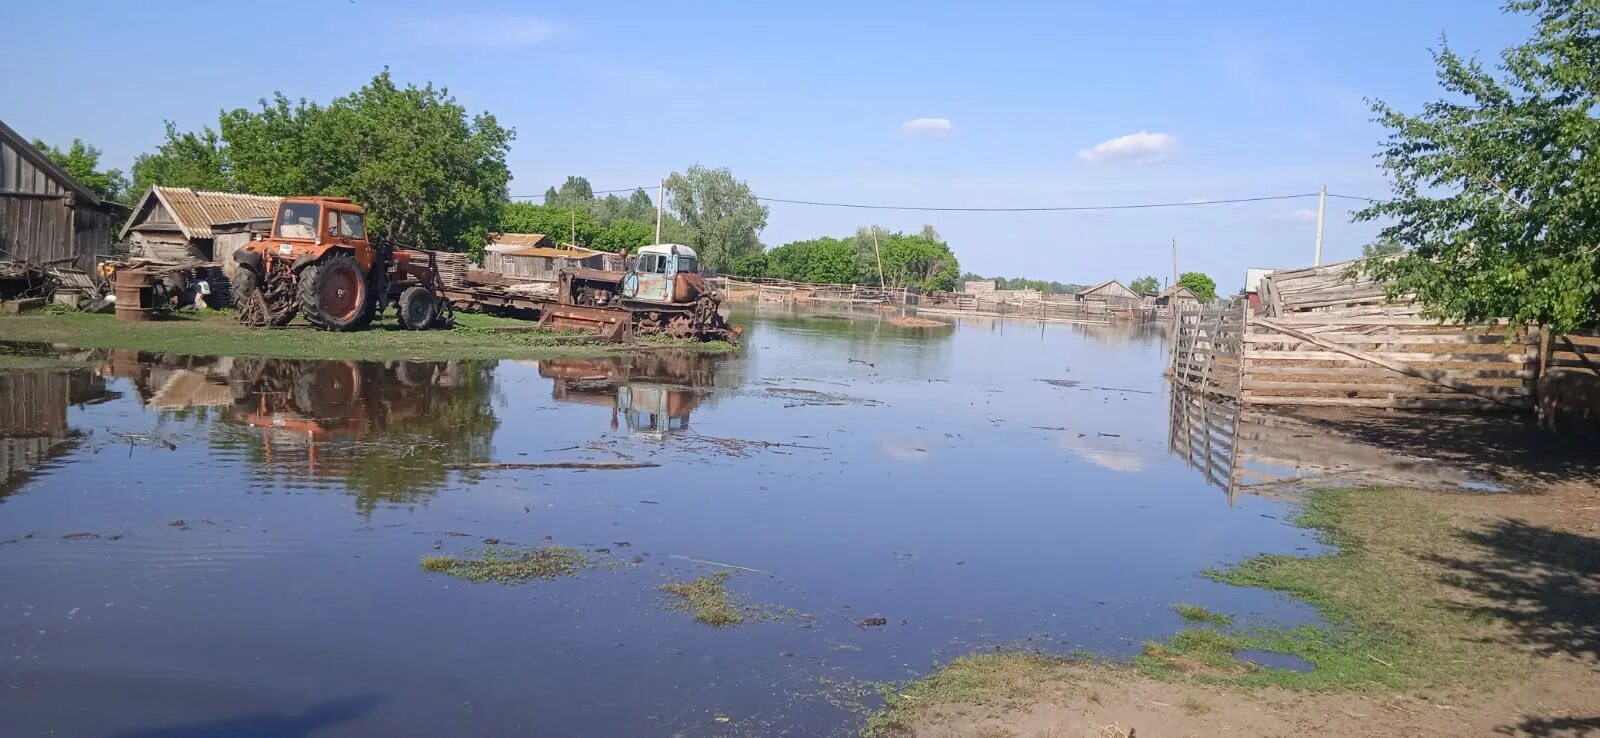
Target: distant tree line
{"type": "Point", "coordinates": [1023, 283]}
{"type": "Point", "coordinates": [872, 256]}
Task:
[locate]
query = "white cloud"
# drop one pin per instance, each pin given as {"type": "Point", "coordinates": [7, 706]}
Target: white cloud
{"type": "Point", "coordinates": [1143, 147]}
{"type": "Point", "coordinates": [482, 29]}
{"type": "Point", "coordinates": [1302, 215]}
{"type": "Point", "coordinates": [930, 127]}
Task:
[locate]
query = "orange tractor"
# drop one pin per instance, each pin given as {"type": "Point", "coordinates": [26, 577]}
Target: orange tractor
{"type": "Point", "coordinates": [318, 262]}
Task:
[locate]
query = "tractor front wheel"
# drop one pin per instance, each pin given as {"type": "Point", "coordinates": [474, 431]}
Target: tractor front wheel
{"type": "Point", "coordinates": [333, 294]}
{"type": "Point", "coordinates": [418, 308]}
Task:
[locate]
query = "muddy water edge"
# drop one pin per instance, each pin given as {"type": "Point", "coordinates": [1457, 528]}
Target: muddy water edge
{"type": "Point", "coordinates": [235, 545]}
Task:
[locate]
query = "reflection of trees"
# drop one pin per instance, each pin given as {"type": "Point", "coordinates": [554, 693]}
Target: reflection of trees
{"type": "Point", "coordinates": [33, 419]}
{"type": "Point", "coordinates": [859, 334]}
{"type": "Point", "coordinates": [387, 431]}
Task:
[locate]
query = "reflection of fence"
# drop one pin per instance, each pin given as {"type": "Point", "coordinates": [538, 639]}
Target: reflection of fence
{"type": "Point", "coordinates": [1254, 452]}
{"type": "Point", "coordinates": [783, 290]}
{"type": "Point", "coordinates": [1206, 347]}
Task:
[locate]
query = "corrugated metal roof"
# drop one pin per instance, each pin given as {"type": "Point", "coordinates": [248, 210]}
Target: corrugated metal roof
{"type": "Point", "coordinates": [197, 210]}
{"type": "Point", "coordinates": [517, 239]}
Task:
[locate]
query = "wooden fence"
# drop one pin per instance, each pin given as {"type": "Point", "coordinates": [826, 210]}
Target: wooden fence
{"type": "Point", "coordinates": [1206, 348]}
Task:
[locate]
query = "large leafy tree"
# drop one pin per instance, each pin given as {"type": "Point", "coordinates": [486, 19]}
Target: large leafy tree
{"type": "Point", "coordinates": [1497, 185]}
{"type": "Point", "coordinates": [1145, 286]}
{"type": "Point", "coordinates": [721, 214]}
{"type": "Point", "coordinates": [428, 172]}
{"type": "Point", "coordinates": [82, 161]}
{"type": "Point", "coordinates": [624, 234]}
{"type": "Point", "coordinates": [1201, 285]}
{"type": "Point", "coordinates": [562, 225]}
{"type": "Point", "coordinates": [185, 159]}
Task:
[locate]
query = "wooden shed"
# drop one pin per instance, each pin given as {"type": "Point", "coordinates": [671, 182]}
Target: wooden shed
{"type": "Point", "coordinates": [176, 223]}
{"type": "Point", "coordinates": [1177, 296]}
{"type": "Point", "coordinates": [47, 217]}
{"type": "Point", "coordinates": [1110, 293]}
{"type": "Point", "coordinates": [532, 257]}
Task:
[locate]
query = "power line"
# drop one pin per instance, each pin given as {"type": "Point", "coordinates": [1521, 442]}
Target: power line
{"type": "Point", "coordinates": [1044, 209]}
{"type": "Point", "coordinates": [1356, 197]}
{"type": "Point", "coordinates": [1053, 209]}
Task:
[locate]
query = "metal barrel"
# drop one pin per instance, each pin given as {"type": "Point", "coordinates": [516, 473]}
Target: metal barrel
{"type": "Point", "coordinates": [133, 295]}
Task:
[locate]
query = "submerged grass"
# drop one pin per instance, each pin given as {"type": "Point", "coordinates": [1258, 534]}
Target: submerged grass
{"type": "Point", "coordinates": [509, 565]}
{"type": "Point", "coordinates": [216, 333]}
{"type": "Point", "coordinates": [1197, 614]}
{"type": "Point", "coordinates": [707, 600]}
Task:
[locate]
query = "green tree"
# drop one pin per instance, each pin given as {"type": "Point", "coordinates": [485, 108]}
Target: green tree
{"type": "Point", "coordinates": [752, 264]}
{"type": "Point", "coordinates": [82, 161]}
{"type": "Point", "coordinates": [560, 224]}
{"type": "Point", "coordinates": [1380, 248]}
{"type": "Point", "coordinates": [1495, 185]}
{"type": "Point", "coordinates": [722, 216]}
{"type": "Point", "coordinates": [573, 193]}
{"type": "Point", "coordinates": [1145, 286]}
{"type": "Point", "coordinates": [624, 234]}
{"type": "Point", "coordinates": [428, 173]}
{"type": "Point", "coordinates": [1202, 286]}
{"type": "Point", "coordinates": [197, 160]}
{"type": "Point", "coordinates": [269, 150]}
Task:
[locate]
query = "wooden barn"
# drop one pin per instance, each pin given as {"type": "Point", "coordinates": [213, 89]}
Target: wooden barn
{"type": "Point", "coordinates": [533, 257]}
{"type": "Point", "coordinates": [1110, 293]}
{"type": "Point", "coordinates": [178, 224]}
{"type": "Point", "coordinates": [47, 218]}
{"type": "Point", "coordinates": [1177, 296]}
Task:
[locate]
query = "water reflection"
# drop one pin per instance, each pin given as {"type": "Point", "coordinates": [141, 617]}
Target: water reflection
{"type": "Point", "coordinates": [33, 418]}
{"type": "Point", "coordinates": [653, 395]}
{"type": "Point", "coordinates": [1261, 452]}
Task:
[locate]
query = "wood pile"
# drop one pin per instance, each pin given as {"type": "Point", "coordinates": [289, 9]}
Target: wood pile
{"type": "Point", "coordinates": [1333, 289]}
{"type": "Point", "coordinates": [452, 267]}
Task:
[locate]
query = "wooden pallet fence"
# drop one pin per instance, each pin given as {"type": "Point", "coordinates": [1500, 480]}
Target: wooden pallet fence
{"type": "Point", "coordinates": [1387, 362]}
{"type": "Point", "coordinates": [1207, 344]}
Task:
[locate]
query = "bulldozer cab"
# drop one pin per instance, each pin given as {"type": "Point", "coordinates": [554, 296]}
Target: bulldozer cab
{"type": "Point", "coordinates": [310, 226]}
{"type": "Point", "coordinates": [655, 271]}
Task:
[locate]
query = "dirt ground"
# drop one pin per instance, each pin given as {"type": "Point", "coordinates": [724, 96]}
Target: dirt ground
{"type": "Point", "coordinates": [1535, 576]}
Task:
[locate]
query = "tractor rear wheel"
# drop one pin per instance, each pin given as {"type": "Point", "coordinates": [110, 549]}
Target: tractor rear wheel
{"type": "Point", "coordinates": [333, 294]}
{"type": "Point", "coordinates": [418, 308]}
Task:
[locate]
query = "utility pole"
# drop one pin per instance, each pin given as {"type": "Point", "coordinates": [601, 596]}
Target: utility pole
{"type": "Point", "coordinates": [879, 252]}
{"type": "Point", "coordinates": [661, 199]}
{"type": "Point", "coordinates": [1174, 262]}
{"type": "Point", "coordinates": [1322, 210]}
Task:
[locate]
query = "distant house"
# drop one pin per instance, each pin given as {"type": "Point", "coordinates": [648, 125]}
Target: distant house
{"type": "Point", "coordinates": [47, 217]}
{"type": "Point", "coordinates": [1252, 286]}
{"type": "Point", "coordinates": [1110, 293]}
{"type": "Point", "coordinates": [1177, 296]}
{"type": "Point", "coordinates": [533, 257]}
{"type": "Point", "coordinates": [979, 287]}
{"type": "Point", "coordinates": [178, 224]}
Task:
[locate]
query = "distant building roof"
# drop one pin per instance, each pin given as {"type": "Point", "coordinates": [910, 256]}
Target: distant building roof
{"type": "Point", "coordinates": [195, 211]}
{"type": "Point", "coordinates": [554, 252]}
{"type": "Point", "coordinates": [513, 241]}
{"type": "Point", "coordinates": [1252, 278]}
{"type": "Point", "coordinates": [1179, 291]}
{"type": "Point", "coordinates": [1110, 286]}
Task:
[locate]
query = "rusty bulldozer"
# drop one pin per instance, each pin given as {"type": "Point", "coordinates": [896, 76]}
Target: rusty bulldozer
{"type": "Point", "coordinates": [662, 293]}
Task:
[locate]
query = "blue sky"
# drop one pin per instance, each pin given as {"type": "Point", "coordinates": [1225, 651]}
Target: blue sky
{"type": "Point", "coordinates": [998, 104]}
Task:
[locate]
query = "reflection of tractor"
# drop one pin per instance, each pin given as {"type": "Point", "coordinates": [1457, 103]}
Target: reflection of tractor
{"type": "Point", "coordinates": [654, 394]}
{"type": "Point", "coordinates": [318, 262]}
{"type": "Point", "coordinates": [663, 292]}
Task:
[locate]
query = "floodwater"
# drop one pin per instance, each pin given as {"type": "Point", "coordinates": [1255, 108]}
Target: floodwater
{"type": "Point", "coordinates": [214, 546]}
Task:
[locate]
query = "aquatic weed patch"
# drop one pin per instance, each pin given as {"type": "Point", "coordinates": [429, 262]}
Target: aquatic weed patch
{"type": "Point", "coordinates": [506, 565]}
